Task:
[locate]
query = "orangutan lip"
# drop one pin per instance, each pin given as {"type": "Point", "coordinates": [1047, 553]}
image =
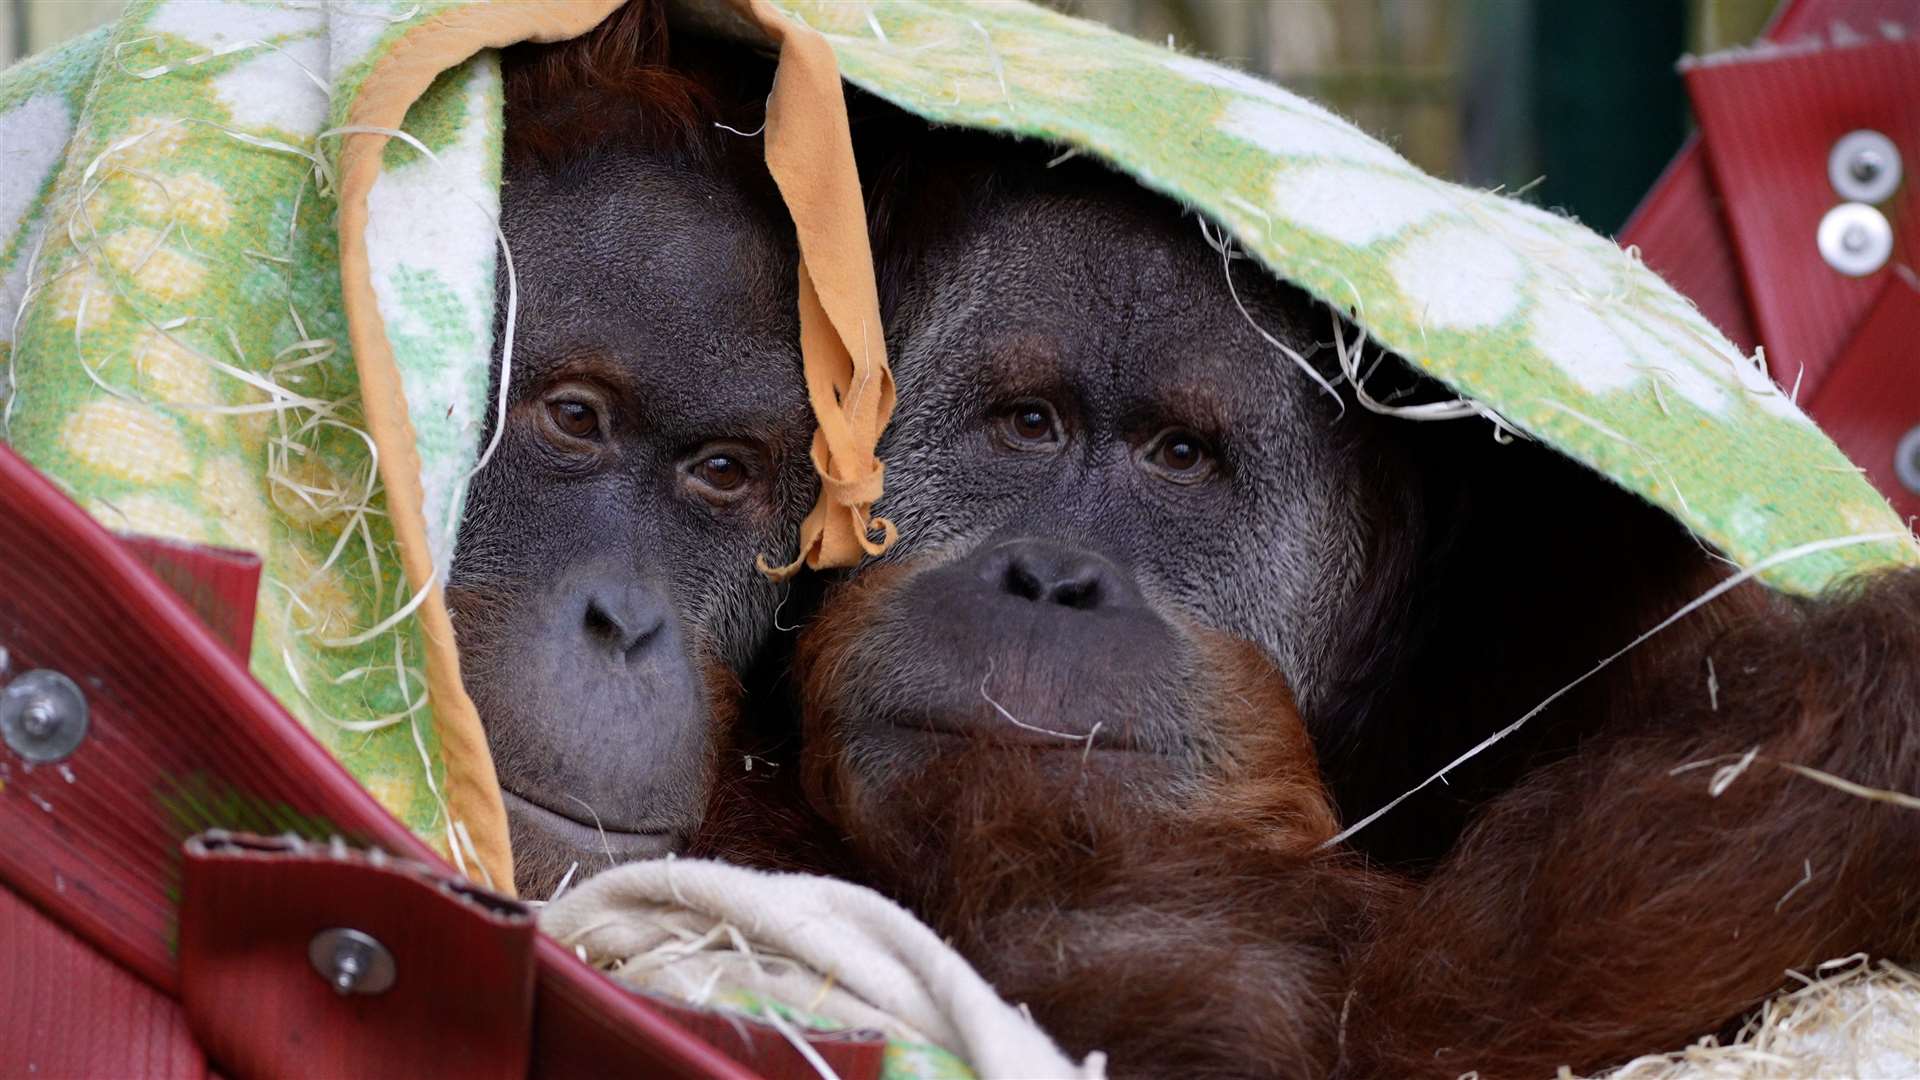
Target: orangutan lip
{"type": "Point", "coordinates": [632, 843]}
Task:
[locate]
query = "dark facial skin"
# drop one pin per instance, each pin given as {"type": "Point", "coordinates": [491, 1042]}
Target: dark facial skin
{"type": "Point", "coordinates": [604, 589]}
{"type": "Point", "coordinates": [1098, 461]}
{"type": "Point", "coordinates": [1101, 474]}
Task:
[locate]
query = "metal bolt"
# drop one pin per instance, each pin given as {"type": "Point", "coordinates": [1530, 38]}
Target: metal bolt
{"type": "Point", "coordinates": [38, 719]}
{"type": "Point", "coordinates": [351, 962]}
{"type": "Point", "coordinates": [348, 965]}
{"type": "Point", "coordinates": [1855, 239]}
{"type": "Point", "coordinates": [43, 716]}
{"type": "Point", "coordinates": [1864, 166]}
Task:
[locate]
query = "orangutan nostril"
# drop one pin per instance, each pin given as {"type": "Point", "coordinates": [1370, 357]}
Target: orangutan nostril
{"type": "Point", "coordinates": [623, 620]}
{"type": "Point", "coordinates": [1022, 583]}
{"type": "Point", "coordinates": [1081, 595]}
{"type": "Point", "coordinates": [601, 624]}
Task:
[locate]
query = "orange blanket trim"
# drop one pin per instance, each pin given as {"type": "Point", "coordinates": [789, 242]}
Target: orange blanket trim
{"type": "Point", "coordinates": [810, 154]}
{"type": "Point", "coordinates": [395, 83]}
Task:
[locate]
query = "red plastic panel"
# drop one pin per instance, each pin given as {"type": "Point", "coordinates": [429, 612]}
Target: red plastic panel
{"type": "Point", "coordinates": [1770, 122]}
{"type": "Point", "coordinates": [65, 1010]}
{"type": "Point", "coordinates": [1681, 227]}
{"type": "Point", "coordinates": [1872, 397]}
{"type": "Point", "coordinates": [181, 737]}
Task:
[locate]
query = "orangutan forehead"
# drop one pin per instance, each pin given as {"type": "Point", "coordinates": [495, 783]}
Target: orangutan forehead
{"type": "Point", "coordinates": [653, 267]}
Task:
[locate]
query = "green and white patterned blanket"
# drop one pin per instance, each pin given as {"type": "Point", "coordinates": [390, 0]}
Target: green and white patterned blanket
{"type": "Point", "coordinates": [176, 350]}
{"type": "Point", "coordinates": [172, 330]}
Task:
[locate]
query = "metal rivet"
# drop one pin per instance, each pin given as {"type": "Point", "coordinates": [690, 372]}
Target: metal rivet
{"type": "Point", "coordinates": [1864, 166]}
{"type": "Point", "coordinates": [1855, 239]}
{"type": "Point", "coordinates": [351, 962]}
{"type": "Point", "coordinates": [1906, 460]}
{"type": "Point", "coordinates": [43, 716]}
{"type": "Point", "coordinates": [39, 719]}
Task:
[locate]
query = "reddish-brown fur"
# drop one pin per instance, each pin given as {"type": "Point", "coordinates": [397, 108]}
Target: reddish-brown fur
{"type": "Point", "coordinates": [1544, 570]}
{"type": "Point", "coordinates": [1600, 905]}
{"type": "Point", "coordinates": [1607, 906]}
{"type": "Point", "coordinates": [613, 80]}
{"type": "Point", "coordinates": [1611, 906]}
{"type": "Point", "coordinates": [1184, 939]}
{"type": "Point", "coordinates": [626, 79]}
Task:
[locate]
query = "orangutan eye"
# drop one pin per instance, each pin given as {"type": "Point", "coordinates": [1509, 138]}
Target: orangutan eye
{"type": "Point", "coordinates": [721, 472]}
{"type": "Point", "coordinates": [1030, 425]}
{"type": "Point", "coordinates": [574, 418]}
{"type": "Point", "coordinates": [1181, 456]}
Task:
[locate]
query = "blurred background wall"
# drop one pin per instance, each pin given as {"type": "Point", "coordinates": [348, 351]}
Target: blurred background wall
{"type": "Point", "coordinates": [28, 26]}
{"type": "Point", "coordinates": [1576, 101]}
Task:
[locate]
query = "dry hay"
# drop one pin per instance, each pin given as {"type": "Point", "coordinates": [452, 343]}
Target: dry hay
{"type": "Point", "coordinates": [1853, 1019]}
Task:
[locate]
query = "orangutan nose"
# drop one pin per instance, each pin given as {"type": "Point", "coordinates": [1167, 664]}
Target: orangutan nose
{"type": "Point", "coordinates": [622, 617]}
{"type": "Point", "coordinates": [1044, 572]}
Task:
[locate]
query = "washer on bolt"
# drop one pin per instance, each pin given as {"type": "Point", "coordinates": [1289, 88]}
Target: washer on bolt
{"type": "Point", "coordinates": [352, 962]}
{"type": "Point", "coordinates": [43, 716]}
{"type": "Point", "coordinates": [1855, 239]}
{"type": "Point", "coordinates": [1864, 166]}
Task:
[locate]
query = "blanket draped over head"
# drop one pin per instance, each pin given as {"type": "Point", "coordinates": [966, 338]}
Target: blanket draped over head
{"type": "Point", "coordinates": [247, 297]}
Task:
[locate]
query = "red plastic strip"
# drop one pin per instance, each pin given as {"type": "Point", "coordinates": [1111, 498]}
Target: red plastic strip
{"type": "Point", "coordinates": [183, 739]}
{"type": "Point", "coordinates": [459, 999]}
{"type": "Point", "coordinates": [222, 586]}
{"type": "Point", "coordinates": [1872, 398]}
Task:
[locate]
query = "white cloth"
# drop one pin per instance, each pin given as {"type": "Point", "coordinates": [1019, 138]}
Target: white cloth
{"type": "Point", "coordinates": [686, 927]}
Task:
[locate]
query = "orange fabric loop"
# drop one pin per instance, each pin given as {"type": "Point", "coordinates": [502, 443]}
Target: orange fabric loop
{"type": "Point", "coordinates": [853, 492]}
{"type": "Point", "coordinates": [839, 531]}
{"type": "Point", "coordinates": [810, 154]}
